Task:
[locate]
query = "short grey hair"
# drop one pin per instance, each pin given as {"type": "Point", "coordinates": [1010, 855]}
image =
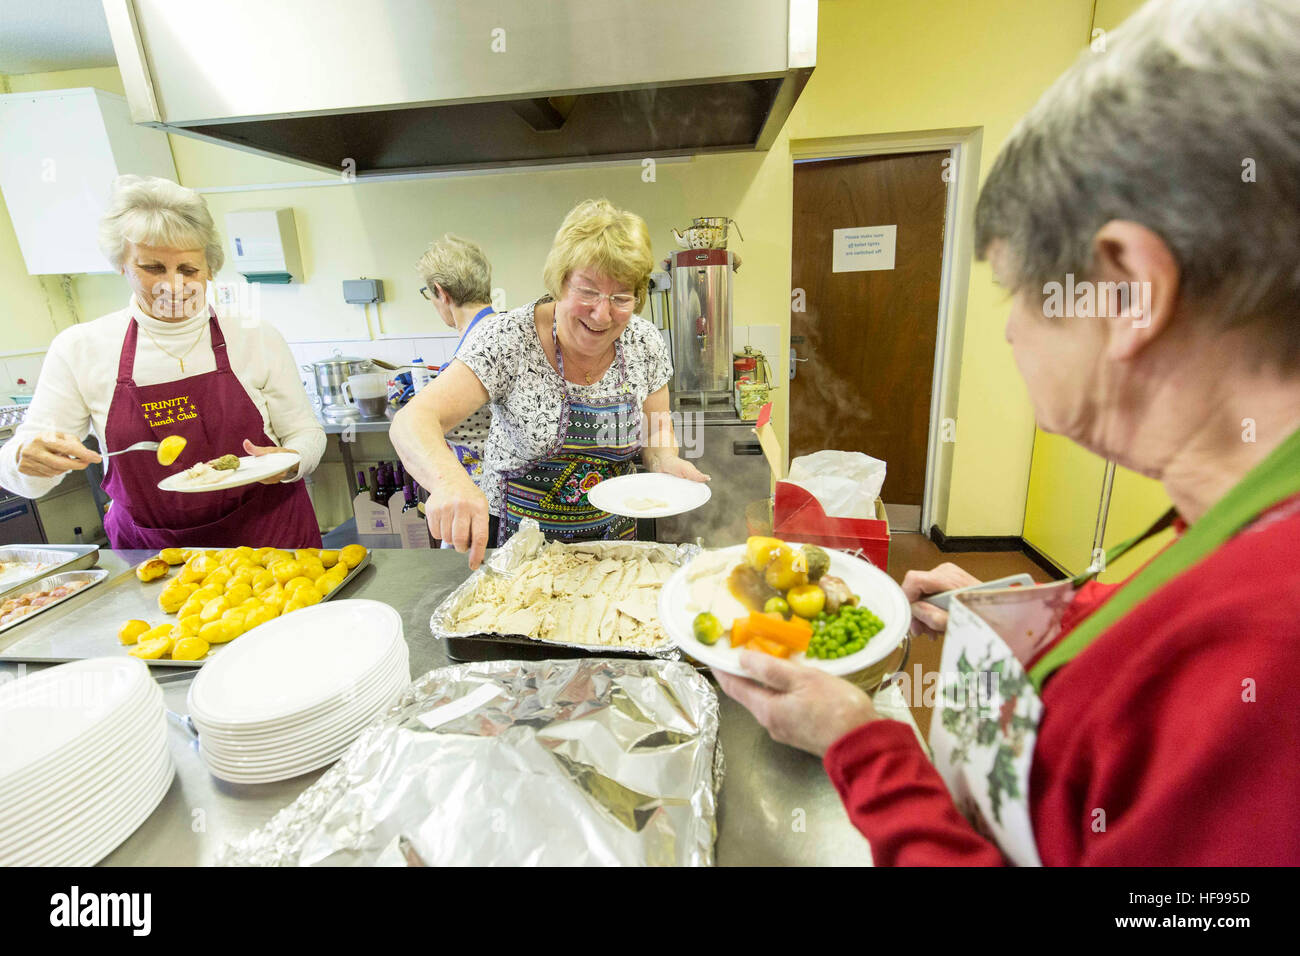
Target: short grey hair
{"type": "Point", "coordinates": [1161, 128]}
{"type": "Point", "coordinates": [151, 211]}
{"type": "Point", "coordinates": [460, 267]}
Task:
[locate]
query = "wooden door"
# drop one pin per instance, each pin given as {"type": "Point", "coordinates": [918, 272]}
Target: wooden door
{"type": "Point", "coordinates": [867, 338]}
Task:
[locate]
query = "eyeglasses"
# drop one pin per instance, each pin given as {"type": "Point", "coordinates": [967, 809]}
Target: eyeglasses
{"type": "Point", "coordinates": [620, 302]}
{"type": "Point", "coordinates": [424, 291]}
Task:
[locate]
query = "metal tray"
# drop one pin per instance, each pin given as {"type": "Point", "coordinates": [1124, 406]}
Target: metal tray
{"type": "Point", "coordinates": [60, 557]}
{"type": "Point", "coordinates": [526, 544]}
{"type": "Point", "coordinates": [89, 629]}
{"type": "Point", "coordinates": [54, 581]}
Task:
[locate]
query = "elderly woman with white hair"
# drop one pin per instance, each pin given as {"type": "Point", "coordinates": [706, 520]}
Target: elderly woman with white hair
{"type": "Point", "coordinates": [1153, 722]}
{"type": "Point", "coordinates": [167, 365]}
{"type": "Point", "coordinates": [579, 389]}
{"type": "Point", "coordinates": [458, 281]}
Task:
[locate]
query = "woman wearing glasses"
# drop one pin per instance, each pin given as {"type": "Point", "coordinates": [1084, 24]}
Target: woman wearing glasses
{"type": "Point", "coordinates": [579, 389]}
{"type": "Point", "coordinates": [458, 281]}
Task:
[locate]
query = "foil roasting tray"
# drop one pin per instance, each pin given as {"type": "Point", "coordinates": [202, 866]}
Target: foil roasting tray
{"type": "Point", "coordinates": [44, 561]}
{"type": "Point", "coordinates": [525, 545]}
{"type": "Point", "coordinates": [578, 762]}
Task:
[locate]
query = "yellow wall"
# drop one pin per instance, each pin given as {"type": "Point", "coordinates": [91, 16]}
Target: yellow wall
{"type": "Point", "coordinates": [1065, 480]}
{"type": "Point", "coordinates": [1064, 496]}
{"type": "Point", "coordinates": [883, 67]}
{"type": "Point", "coordinates": [36, 308]}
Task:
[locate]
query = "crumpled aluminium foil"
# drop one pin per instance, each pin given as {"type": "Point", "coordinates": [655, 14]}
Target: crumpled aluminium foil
{"type": "Point", "coordinates": [525, 545]}
{"type": "Point", "coordinates": [585, 761]}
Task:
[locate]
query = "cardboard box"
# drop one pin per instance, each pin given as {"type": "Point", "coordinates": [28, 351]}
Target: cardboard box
{"type": "Point", "coordinates": [372, 517]}
{"type": "Point", "coordinates": [798, 516]}
{"type": "Point", "coordinates": [410, 526]}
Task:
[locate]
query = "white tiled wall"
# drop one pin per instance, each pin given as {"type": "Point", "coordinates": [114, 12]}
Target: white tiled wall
{"type": "Point", "coordinates": [14, 367]}
{"type": "Point", "coordinates": [764, 338]}
{"type": "Point", "coordinates": [434, 349]}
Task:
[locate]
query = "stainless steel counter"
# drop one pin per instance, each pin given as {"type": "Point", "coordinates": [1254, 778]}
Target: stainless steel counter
{"type": "Point", "coordinates": [777, 806]}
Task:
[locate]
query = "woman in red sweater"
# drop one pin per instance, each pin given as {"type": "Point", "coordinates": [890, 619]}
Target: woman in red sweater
{"type": "Point", "coordinates": [1145, 217]}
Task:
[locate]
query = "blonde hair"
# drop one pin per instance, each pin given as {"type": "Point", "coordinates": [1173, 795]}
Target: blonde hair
{"type": "Point", "coordinates": [596, 235]}
{"type": "Point", "coordinates": [460, 267]}
{"type": "Point", "coordinates": [150, 211]}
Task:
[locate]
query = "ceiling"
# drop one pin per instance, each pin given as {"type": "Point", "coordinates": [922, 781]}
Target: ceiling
{"type": "Point", "coordinates": [42, 37]}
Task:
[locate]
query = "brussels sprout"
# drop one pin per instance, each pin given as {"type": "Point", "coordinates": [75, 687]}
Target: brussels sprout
{"type": "Point", "coordinates": [819, 562]}
{"type": "Point", "coordinates": [706, 628]}
{"type": "Point", "coordinates": [777, 605]}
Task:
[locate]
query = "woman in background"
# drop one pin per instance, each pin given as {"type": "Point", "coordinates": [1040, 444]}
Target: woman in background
{"type": "Point", "coordinates": [458, 281]}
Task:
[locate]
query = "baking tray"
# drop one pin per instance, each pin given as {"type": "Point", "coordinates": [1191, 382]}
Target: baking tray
{"type": "Point", "coordinates": [54, 581]}
{"type": "Point", "coordinates": [60, 557]}
{"type": "Point", "coordinates": [525, 545]}
{"type": "Point", "coordinates": [89, 629]}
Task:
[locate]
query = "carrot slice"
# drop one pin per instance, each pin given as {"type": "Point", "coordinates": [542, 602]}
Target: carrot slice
{"type": "Point", "coordinates": [758, 643]}
{"type": "Point", "coordinates": [740, 632]}
{"type": "Point", "coordinates": [794, 634]}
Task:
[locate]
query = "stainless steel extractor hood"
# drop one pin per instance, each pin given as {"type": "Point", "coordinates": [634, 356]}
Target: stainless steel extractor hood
{"type": "Point", "coordinates": [398, 86]}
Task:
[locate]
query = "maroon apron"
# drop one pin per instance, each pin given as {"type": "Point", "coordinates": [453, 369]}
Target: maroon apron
{"type": "Point", "coordinates": [214, 415]}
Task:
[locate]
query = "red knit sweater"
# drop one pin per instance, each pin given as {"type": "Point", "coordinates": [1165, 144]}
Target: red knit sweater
{"type": "Point", "coordinates": [1152, 723]}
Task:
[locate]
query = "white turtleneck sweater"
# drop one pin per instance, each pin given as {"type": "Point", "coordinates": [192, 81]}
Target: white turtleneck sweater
{"type": "Point", "coordinates": [78, 377]}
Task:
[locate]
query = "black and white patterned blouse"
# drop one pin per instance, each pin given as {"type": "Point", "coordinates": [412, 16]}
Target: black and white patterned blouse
{"type": "Point", "coordinates": [473, 431]}
{"type": "Point", "coordinates": [527, 394]}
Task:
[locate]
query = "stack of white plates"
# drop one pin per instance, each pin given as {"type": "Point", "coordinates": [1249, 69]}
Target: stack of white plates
{"type": "Point", "coordinates": [83, 761]}
{"type": "Point", "coordinates": [290, 696]}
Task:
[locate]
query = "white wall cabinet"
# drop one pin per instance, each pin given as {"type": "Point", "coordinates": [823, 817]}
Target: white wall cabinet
{"type": "Point", "coordinates": [59, 154]}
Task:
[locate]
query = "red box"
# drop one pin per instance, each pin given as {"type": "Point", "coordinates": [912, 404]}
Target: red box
{"type": "Point", "coordinates": [798, 516]}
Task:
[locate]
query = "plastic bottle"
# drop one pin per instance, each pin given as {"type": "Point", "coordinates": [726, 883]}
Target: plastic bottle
{"type": "Point", "coordinates": [420, 375]}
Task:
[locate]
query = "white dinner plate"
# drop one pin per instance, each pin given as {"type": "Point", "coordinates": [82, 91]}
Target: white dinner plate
{"type": "Point", "coordinates": [269, 776]}
{"type": "Point", "coordinates": [648, 495]}
{"type": "Point", "coordinates": [44, 714]}
{"type": "Point", "coordinates": [236, 750]}
{"type": "Point", "coordinates": [92, 804]}
{"type": "Point", "coordinates": [52, 798]}
{"type": "Point", "coordinates": [99, 805]}
{"type": "Point", "coordinates": [71, 756]}
{"type": "Point", "coordinates": [327, 747]}
{"type": "Point", "coordinates": [398, 668]}
{"type": "Point", "coordinates": [91, 842]}
{"type": "Point", "coordinates": [325, 649]}
{"type": "Point", "coordinates": [251, 468]}
{"type": "Point", "coordinates": [238, 741]}
{"type": "Point", "coordinates": [875, 589]}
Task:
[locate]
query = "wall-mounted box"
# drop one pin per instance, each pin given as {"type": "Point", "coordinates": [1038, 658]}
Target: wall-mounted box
{"type": "Point", "coordinates": [363, 291]}
{"type": "Point", "coordinates": [264, 245]}
{"type": "Point", "coordinates": [60, 151]}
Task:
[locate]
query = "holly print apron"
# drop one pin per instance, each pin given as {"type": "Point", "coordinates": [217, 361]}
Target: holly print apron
{"type": "Point", "coordinates": [598, 439]}
{"type": "Point", "coordinates": [984, 733]}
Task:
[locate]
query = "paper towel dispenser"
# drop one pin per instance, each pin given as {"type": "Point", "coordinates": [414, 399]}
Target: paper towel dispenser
{"type": "Point", "coordinates": [264, 245]}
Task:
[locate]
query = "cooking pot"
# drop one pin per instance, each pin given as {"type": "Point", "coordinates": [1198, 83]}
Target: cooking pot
{"type": "Point", "coordinates": [331, 373]}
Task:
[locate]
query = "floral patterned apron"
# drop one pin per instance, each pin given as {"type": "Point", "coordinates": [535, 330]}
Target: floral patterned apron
{"type": "Point", "coordinates": [598, 439]}
{"type": "Point", "coordinates": [984, 733]}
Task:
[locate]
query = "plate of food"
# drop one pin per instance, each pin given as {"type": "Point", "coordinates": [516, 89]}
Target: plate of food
{"type": "Point", "coordinates": [648, 495]}
{"type": "Point", "coordinates": [821, 607]}
{"type": "Point", "coordinates": [230, 471]}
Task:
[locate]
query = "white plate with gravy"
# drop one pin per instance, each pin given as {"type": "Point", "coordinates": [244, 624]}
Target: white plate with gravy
{"type": "Point", "coordinates": [251, 468]}
{"type": "Point", "coordinates": [648, 495]}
